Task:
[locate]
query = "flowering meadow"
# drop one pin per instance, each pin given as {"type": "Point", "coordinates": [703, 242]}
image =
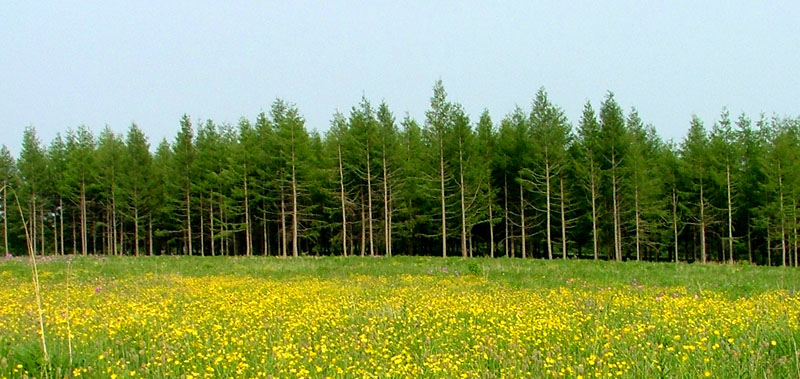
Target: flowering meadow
{"type": "Point", "coordinates": [398, 317]}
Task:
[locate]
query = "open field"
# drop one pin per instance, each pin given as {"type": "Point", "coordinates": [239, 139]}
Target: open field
{"type": "Point", "coordinates": [398, 317]}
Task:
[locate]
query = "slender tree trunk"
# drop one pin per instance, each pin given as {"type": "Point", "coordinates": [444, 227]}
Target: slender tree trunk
{"type": "Point", "coordinates": [593, 189]}
{"type": "Point", "coordinates": [794, 229]}
{"type": "Point", "coordinates": [247, 235]}
{"type": "Point", "coordinates": [522, 221]}
{"type": "Point", "coordinates": [33, 223]}
{"type": "Point", "coordinates": [387, 228]}
{"type": "Point", "coordinates": [730, 213]}
{"type": "Point", "coordinates": [5, 216]}
{"type": "Point", "coordinates": [341, 196]}
{"type": "Point", "coordinates": [675, 221]}
{"type": "Point", "coordinates": [113, 222]}
{"type": "Point", "coordinates": [505, 190]}
{"type": "Point", "coordinates": [264, 229]}
{"type": "Point", "coordinates": [55, 235]}
{"type": "Point", "coordinates": [61, 221]}
{"type": "Point", "coordinates": [295, 248]}
{"type": "Point", "coordinates": [491, 224]}
{"type": "Point", "coordinates": [188, 222]}
{"type": "Point", "coordinates": [202, 229]}
{"type": "Point", "coordinates": [150, 234]}
{"type": "Point", "coordinates": [563, 222]}
{"type": "Point", "coordinates": [547, 198]}
{"type": "Point", "coordinates": [363, 226]}
{"type": "Point", "coordinates": [703, 255]}
{"type": "Point", "coordinates": [136, 231]}
{"type": "Point", "coordinates": [283, 224]}
{"type": "Point", "coordinates": [211, 224]}
{"type": "Point", "coordinates": [444, 215]}
{"type": "Point", "coordinates": [84, 239]}
{"type": "Point", "coordinates": [638, 221]}
{"type": "Point", "coordinates": [615, 204]}
{"type": "Point", "coordinates": [782, 226]}
{"type": "Point", "coordinates": [463, 210]}
{"type": "Point", "coordinates": [369, 205]}
{"type": "Point", "coordinates": [391, 227]}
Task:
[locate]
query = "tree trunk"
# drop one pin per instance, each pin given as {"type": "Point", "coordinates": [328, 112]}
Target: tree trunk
{"type": "Point", "coordinates": [363, 225]}
{"type": "Point", "coordinates": [136, 231]}
{"type": "Point", "coordinates": [794, 229]}
{"type": "Point", "coordinates": [593, 188]}
{"type": "Point", "coordinates": [675, 221]}
{"type": "Point", "coordinates": [202, 229]}
{"type": "Point", "coordinates": [5, 216]}
{"type": "Point", "coordinates": [369, 205]}
{"type": "Point", "coordinates": [295, 248]}
{"type": "Point", "coordinates": [188, 222]}
{"type": "Point", "coordinates": [615, 205]}
{"type": "Point", "coordinates": [491, 224]}
{"type": "Point", "coordinates": [444, 215]}
{"type": "Point", "coordinates": [638, 221]}
{"type": "Point", "coordinates": [522, 221]}
{"type": "Point", "coordinates": [150, 235]}
{"type": "Point", "coordinates": [344, 212]}
{"type": "Point", "coordinates": [33, 223]}
{"type": "Point", "coordinates": [730, 213]}
{"type": "Point", "coordinates": [61, 220]}
{"type": "Point", "coordinates": [505, 190]}
{"type": "Point", "coordinates": [247, 235]}
{"type": "Point", "coordinates": [387, 227]}
{"type": "Point", "coordinates": [463, 210]}
{"type": "Point", "coordinates": [703, 255]}
{"type": "Point", "coordinates": [55, 235]}
{"type": "Point", "coordinates": [283, 224]}
{"type": "Point", "coordinates": [563, 222]}
{"type": "Point", "coordinates": [783, 228]}
{"type": "Point", "coordinates": [547, 197]}
{"type": "Point", "coordinates": [391, 227]}
{"type": "Point", "coordinates": [264, 229]}
{"type": "Point", "coordinates": [211, 224]}
{"type": "Point", "coordinates": [84, 239]}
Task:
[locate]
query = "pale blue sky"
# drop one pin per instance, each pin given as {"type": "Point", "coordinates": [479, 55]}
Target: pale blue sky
{"type": "Point", "coordinates": [63, 63]}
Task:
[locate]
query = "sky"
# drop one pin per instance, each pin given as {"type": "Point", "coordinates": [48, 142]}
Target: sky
{"type": "Point", "coordinates": [97, 63]}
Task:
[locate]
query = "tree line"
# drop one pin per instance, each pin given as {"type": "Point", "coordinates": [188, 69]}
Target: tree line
{"type": "Point", "coordinates": [531, 185]}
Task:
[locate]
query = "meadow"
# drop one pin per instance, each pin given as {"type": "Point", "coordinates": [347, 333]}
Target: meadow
{"type": "Point", "coordinates": [185, 317]}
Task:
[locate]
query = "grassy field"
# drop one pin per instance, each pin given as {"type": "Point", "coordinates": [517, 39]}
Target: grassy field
{"type": "Point", "coordinates": [398, 317]}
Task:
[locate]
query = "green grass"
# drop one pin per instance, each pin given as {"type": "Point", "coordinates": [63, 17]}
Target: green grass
{"type": "Point", "coordinates": [399, 317]}
{"type": "Point", "coordinates": [730, 280]}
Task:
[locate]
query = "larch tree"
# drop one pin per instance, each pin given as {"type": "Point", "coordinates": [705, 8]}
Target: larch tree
{"type": "Point", "coordinates": [137, 182]}
{"type": "Point", "coordinates": [183, 164]}
{"type": "Point", "coordinates": [551, 135]}
{"type": "Point", "coordinates": [725, 160]}
{"type": "Point", "coordinates": [588, 168]}
{"type": "Point", "coordinates": [694, 154]}
{"type": "Point", "coordinates": [7, 168]}
{"type": "Point", "coordinates": [614, 144]}
{"type": "Point", "coordinates": [438, 125]}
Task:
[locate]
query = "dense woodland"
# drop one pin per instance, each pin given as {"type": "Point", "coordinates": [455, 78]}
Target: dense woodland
{"type": "Point", "coordinates": [530, 185]}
